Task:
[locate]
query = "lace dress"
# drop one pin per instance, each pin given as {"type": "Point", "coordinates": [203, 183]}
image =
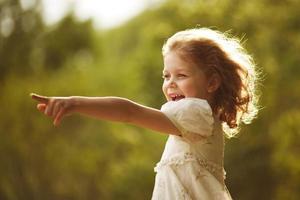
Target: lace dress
{"type": "Point", "coordinates": [191, 167]}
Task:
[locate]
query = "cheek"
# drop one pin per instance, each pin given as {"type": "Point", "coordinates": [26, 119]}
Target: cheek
{"type": "Point", "coordinates": [202, 91]}
{"type": "Point", "coordinates": [189, 86]}
{"type": "Point", "coordinates": [163, 88]}
{"type": "Point", "coordinates": [194, 88]}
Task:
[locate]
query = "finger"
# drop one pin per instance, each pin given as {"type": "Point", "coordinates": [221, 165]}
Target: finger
{"type": "Point", "coordinates": [41, 107]}
{"type": "Point", "coordinates": [39, 98]}
{"type": "Point", "coordinates": [50, 107]}
{"type": "Point", "coordinates": [56, 109]}
{"type": "Point", "coordinates": [58, 117]}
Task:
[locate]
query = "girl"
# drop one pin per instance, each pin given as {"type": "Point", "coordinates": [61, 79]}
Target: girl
{"type": "Point", "coordinates": [209, 85]}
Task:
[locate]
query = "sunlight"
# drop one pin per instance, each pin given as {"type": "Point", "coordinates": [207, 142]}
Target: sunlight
{"type": "Point", "coordinates": [105, 14]}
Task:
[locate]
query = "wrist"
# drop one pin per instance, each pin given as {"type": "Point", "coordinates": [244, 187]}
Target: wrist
{"type": "Point", "coordinates": [74, 103]}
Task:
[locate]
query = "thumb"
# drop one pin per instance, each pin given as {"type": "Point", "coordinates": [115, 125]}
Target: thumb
{"type": "Point", "coordinates": [41, 107]}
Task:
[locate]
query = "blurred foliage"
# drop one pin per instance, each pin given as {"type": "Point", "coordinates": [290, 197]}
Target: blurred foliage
{"type": "Point", "coordinates": [91, 159]}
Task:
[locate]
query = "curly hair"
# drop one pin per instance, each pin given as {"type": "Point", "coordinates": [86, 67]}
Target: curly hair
{"type": "Point", "coordinates": [235, 100]}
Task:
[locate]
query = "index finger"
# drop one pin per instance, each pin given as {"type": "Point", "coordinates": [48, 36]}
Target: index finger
{"type": "Point", "coordinates": [39, 98]}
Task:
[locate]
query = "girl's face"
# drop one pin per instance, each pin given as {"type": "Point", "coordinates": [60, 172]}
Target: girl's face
{"type": "Point", "coordinates": [182, 79]}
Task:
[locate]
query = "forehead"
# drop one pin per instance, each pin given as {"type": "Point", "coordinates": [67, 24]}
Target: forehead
{"type": "Point", "coordinates": [174, 62]}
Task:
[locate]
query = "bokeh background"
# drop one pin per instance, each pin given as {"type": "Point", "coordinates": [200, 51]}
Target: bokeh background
{"type": "Point", "coordinates": [86, 158]}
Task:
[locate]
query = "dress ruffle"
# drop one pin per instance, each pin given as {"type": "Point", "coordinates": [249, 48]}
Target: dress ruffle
{"type": "Point", "coordinates": [180, 159]}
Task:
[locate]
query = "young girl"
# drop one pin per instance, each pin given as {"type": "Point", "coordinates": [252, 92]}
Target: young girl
{"type": "Point", "coordinates": [209, 85]}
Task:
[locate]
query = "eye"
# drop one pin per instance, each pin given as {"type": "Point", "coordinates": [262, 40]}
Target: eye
{"type": "Point", "coordinates": [182, 75]}
{"type": "Point", "coordinates": [165, 76]}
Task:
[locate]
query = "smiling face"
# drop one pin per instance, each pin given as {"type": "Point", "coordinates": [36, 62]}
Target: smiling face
{"type": "Point", "coordinates": [182, 79]}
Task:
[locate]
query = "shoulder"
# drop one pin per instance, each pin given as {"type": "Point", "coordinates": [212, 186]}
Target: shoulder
{"type": "Point", "coordinates": [192, 112]}
{"type": "Point", "coordinates": [192, 116]}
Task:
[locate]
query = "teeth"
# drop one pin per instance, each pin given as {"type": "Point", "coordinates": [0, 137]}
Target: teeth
{"type": "Point", "coordinates": [174, 97]}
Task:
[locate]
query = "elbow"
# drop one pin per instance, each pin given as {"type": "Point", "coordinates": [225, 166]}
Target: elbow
{"type": "Point", "coordinates": [134, 113]}
{"type": "Point", "coordinates": [130, 116]}
{"type": "Point", "coordinates": [128, 113]}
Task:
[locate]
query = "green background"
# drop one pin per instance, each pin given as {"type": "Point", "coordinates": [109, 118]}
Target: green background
{"type": "Point", "coordinates": [86, 158]}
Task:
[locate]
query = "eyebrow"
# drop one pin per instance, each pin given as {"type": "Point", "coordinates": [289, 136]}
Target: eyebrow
{"type": "Point", "coordinates": [179, 70]}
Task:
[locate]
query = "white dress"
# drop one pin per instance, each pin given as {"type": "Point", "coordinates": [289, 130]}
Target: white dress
{"type": "Point", "coordinates": [191, 167]}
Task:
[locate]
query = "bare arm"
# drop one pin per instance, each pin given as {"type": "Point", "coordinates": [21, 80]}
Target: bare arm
{"type": "Point", "coordinates": [106, 108]}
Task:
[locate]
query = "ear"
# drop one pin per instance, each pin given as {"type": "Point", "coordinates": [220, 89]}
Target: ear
{"type": "Point", "coordinates": [214, 83]}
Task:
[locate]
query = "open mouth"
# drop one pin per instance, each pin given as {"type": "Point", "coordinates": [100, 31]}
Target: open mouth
{"type": "Point", "coordinates": [177, 97]}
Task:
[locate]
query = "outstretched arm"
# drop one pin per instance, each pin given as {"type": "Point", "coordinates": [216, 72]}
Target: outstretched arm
{"type": "Point", "coordinates": [106, 108]}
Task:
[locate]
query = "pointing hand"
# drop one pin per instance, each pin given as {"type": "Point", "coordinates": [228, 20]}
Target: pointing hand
{"type": "Point", "coordinates": [55, 107]}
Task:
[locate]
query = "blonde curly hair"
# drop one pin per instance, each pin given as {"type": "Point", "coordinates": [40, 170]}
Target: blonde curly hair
{"type": "Point", "coordinates": [235, 100]}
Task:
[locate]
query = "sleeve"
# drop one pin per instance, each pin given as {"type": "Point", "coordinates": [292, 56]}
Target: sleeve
{"type": "Point", "coordinates": [193, 117]}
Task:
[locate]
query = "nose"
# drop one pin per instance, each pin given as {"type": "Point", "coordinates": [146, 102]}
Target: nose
{"type": "Point", "coordinates": [172, 83]}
